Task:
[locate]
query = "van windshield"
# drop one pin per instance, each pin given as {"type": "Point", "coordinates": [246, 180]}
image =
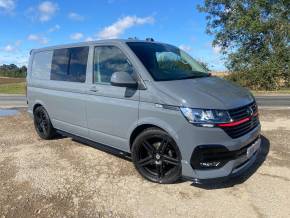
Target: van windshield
{"type": "Point", "coordinates": [166, 62]}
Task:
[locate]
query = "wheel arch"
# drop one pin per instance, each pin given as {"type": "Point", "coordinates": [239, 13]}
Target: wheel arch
{"type": "Point", "coordinates": [36, 106]}
{"type": "Point", "coordinates": [38, 103]}
{"type": "Point", "coordinates": [151, 124]}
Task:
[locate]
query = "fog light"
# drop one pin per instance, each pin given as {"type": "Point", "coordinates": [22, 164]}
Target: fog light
{"type": "Point", "coordinates": [210, 164]}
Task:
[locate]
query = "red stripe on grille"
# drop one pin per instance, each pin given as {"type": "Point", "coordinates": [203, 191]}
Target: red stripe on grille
{"type": "Point", "coordinates": [235, 123]}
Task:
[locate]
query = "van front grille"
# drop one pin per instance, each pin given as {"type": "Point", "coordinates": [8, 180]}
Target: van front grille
{"type": "Point", "coordinates": [244, 111]}
{"type": "Point", "coordinates": [242, 129]}
{"type": "Point", "coordinates": [249, 111]}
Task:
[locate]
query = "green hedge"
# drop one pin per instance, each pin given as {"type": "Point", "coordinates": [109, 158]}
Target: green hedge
{"type": "Point", "coordinates": [12, 71]}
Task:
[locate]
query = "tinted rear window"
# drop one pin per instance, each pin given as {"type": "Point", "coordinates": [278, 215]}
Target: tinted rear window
{"type": "Point", "coordinates": [41, 65]}
{"type": "Point", "coordinates": [69, 64]}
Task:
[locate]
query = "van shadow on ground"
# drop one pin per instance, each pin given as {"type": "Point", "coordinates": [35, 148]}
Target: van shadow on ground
{"type": "Point", "coordinates": [235, 180]}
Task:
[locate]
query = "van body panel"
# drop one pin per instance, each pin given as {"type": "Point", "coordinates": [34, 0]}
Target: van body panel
{"type": "Point", "coordinates": [209, 92]}
{"type": "Point", "coordinates": [64, 104]}
{"type": "Point", "coordinates": [112, 111]}
{"type": "Point", "coordinates": [109, 140]}
{"type": "Point", "coordinates": [151, 114]}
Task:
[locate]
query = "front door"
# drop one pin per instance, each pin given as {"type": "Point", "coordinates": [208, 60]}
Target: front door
{"type": "Point", "coordinates": [111, 111]}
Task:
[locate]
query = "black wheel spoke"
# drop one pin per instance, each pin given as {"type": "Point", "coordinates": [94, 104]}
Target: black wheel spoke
{"type": "Point", "coordinates": [163, 145]}
{"type": "Point", "coordinates": [150, 148]}
{"type": "Point", "coordinates": [159, 168]}
{"type": "Point", "coordinates": [170, 160]}
{"type": "Point", "coordinates": [44, 123]}
{"type": "Point", "coordinates": [146, 161]}
{"type": "Point", "coordinates": [41, 122]}
{"type": "Point", "coordinates": [43, 127]}
{"type": "Point", "coordinates": [37, 118]}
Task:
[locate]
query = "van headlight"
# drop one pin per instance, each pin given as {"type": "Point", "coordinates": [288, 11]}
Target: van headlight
{"type": "Point", "coordinates": [205, 117]}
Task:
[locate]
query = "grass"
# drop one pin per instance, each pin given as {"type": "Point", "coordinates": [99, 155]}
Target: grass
{"type": "Point", "coordinates": [12, 88]}
{"type": "Point", "coordinates": [10, 85]}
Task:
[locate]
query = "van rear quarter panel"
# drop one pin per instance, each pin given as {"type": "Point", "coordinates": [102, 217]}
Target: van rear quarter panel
{"type": "Point", "coordinates": [63, 102]}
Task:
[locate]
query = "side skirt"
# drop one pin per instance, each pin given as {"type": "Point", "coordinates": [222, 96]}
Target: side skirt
{"type": "Point", "coordinates": [99, 146]}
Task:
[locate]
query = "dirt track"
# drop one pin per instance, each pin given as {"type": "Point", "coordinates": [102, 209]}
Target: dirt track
{"type": "Point", "coordinates": [63, 178]}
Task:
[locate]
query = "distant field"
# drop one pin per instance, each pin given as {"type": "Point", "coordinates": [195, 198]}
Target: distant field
{"type": "Point", "coordinates": [6, 80]}
{"type": "Point", "coordinates": [10, 85]}
{"type": "Point", "coordinates": [219, 73]}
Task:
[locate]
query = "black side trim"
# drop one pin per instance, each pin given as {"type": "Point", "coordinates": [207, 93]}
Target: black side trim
{"type": "Point", "coordinates": [170, 107]}
{"type": "Point", "coordinates": [102, 147]}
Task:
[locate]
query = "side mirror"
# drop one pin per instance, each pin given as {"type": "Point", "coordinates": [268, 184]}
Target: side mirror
{"type": "Point", "coordinates": [123, 79]}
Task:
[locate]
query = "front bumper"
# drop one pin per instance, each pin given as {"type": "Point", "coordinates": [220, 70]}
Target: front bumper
{"type": "Point", "coordinates": [238, 172]}
{"type": "Point", "coordinates": [238, 160]}
{"type": "Point", "coordinates": [207, 157]}
{"type": "Point", "coordinates": [236, 167]}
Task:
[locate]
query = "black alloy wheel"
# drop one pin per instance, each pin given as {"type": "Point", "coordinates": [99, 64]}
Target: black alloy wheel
{"type": "Point", "coordinates": [42, 123]}
{"type": "Point", "coordinates": [156, 156]}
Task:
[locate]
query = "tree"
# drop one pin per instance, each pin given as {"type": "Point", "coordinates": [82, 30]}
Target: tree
{"type": "Point", "coordinates": [254, 37]}
{"type": "Point", "coordinates": [12, 70]}
{"type": "Point", "coordinates": [204, 65]}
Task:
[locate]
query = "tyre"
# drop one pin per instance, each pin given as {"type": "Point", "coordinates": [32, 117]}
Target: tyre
{"type": "Point", "coordinates": [156, 156]}
{"type": "Point", "coordinates": [42, 124]}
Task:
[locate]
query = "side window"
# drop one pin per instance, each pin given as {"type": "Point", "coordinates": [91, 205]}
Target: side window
{"type": "Point", "coordinates": [41, 65]}
{"type": "Point", "coordinates": [69, 64]}
{"type": "Point", "coordinates": [59, 66]}
{"type": "Point", "coordinates": [107, 60]}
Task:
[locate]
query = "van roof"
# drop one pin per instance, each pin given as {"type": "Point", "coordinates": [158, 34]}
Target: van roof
{"type": "Point", "coordinates": [92, 43]}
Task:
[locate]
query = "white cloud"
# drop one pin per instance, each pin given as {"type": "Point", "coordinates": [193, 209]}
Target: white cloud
{"type": "Point", "coordinates": [9, 48]}
{"type": "Point", "coordinates": [22, 60]}
{"type": "Point", "coordinates": [46, 10]}
{"type": "Point", "coordinates": [7, 5]}
{"type": "Point", "coordinates": [186, 48]}
{"type": "Point", "coordinates": [119, 27]}
{"type": "Point", "coordinates": [76, 36]}
{"type": "Point", "coordinates": [13, 54]}
{"type": "Point", "coordinates": [12, 47]}
{"type": "Point", "coordinates": [88, 39]}
{"type": "Point", "coordinates": [216, 49]}
{"type": "Point", "coordinates": [54, 28]}
{"type": "Point", "coordinates": [76, 17]}
{"type": "Point", "coordinates": [19, 58]}
{"type": "Point", "coordinates": [37, 38]}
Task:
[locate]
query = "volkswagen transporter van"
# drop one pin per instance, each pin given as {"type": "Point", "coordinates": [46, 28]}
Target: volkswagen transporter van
{"type": "Point", "coordinates": [145, 99]}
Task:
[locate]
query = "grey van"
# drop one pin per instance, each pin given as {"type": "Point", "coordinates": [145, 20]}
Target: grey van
{"type": "Point", "coordinates": [147, 100]}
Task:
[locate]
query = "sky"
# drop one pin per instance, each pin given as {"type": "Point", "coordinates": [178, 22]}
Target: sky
{"type": "Point", "coordinates": [29, 24]}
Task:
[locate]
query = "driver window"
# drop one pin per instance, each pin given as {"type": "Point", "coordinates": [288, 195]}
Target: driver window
{"type": "Point", "coordinates": [107, 60]}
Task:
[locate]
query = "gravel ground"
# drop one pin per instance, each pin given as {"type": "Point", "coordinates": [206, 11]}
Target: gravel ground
{"type": "Point", "coordinates": [64, 178]}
